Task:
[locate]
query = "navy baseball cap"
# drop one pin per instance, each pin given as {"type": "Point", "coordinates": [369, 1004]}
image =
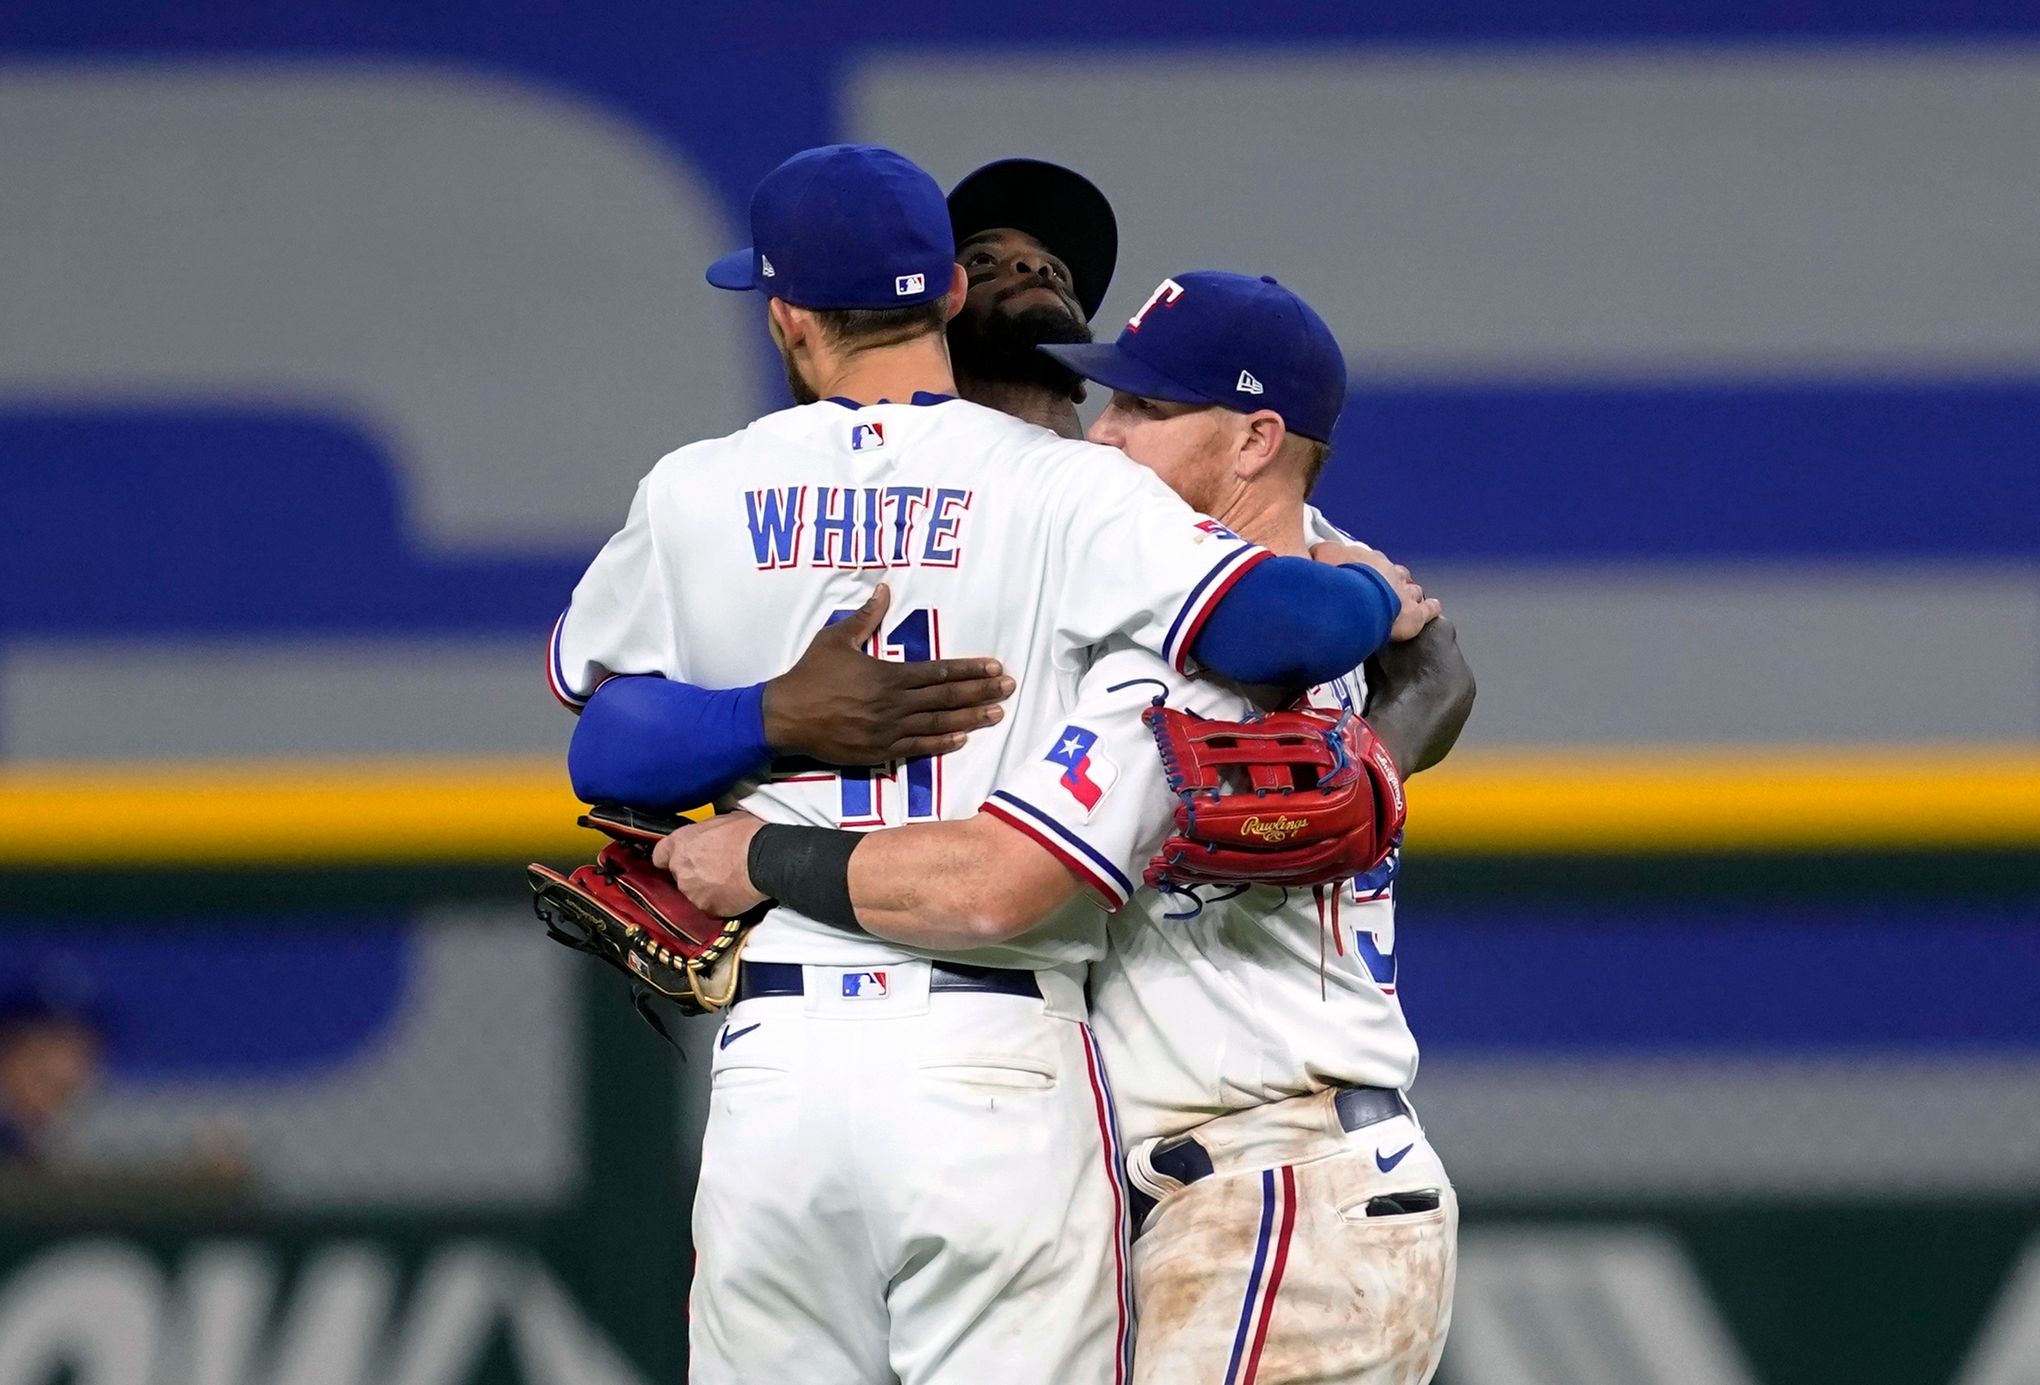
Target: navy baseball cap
{"type": "Point", "coordinates": [845, 226]}
{"type": "Point", "coordinates": [1208, 337]}
{"type": "Point", "coordinates": [1057, 206]}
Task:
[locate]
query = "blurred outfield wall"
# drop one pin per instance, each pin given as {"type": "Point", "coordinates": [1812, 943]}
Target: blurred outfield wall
{"type": "Point", "coordinates": [1696, 364]}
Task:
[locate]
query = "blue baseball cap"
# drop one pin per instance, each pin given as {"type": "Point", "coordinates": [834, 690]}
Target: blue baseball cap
{"type": "Point", "coordinates": [845, 226]}
{"type": "Point", "coordinates": [1208, 337]}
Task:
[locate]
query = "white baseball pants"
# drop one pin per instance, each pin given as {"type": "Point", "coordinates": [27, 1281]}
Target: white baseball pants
{"type": "Point", "coordinates": [899, 1186]}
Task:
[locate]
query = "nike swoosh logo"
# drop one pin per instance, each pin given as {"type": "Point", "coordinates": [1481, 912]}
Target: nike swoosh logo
{"type": "Point", "coordinates": [1385, 1162]}
{"type": "Point", "coordinates": [730, 1036]}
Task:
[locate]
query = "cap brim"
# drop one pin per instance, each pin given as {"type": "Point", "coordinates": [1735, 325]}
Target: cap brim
{"type": "Point", "coordinates": [733, 271]}
{"type": "Point", "coordinates": [1058, 206]}
{"type": "Point", "coordinates": [1104, 363]}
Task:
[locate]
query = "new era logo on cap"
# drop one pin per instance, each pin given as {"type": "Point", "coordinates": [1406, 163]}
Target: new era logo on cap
{"type": "Point", "coordinates": [765, 267]}
{"type": "Point", "coordinates": [1248, 384]}
{"type": "Point", "coordinates": [908, 284]}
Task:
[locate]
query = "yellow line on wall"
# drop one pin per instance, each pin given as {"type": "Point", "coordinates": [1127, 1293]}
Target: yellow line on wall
{"type": "Point", "coordinates": [1901, 797]}
{"type": "Point", "coordinates": [419, 812]}
{"type": "Point", "coordinates": [313, 812]}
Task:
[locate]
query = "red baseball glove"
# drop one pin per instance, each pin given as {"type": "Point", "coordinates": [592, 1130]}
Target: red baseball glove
{"type": "Point", "coordinates": [1299, 797]}
{"type": "Point", "coordinates": [629, 913]}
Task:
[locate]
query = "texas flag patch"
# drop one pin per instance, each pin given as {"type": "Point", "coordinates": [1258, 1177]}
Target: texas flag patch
{"type": "Point", "coordinates": [1086, 772]}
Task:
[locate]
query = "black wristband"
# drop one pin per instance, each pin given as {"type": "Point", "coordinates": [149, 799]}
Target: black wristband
{"type": "Point", "coordinates": [807, 869]}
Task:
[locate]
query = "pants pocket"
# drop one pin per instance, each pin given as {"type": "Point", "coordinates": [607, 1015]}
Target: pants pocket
{"type": "Point", "coordinates": [1409, 1207]}
{"type": "Point", "coordinates": [1008, 1074]}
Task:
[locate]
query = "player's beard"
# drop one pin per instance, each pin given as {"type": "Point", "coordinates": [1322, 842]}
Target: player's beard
{"type": "Point", "coordinates": [1001, 346]}
{"type": "Point", "coordinates": [800, 389]}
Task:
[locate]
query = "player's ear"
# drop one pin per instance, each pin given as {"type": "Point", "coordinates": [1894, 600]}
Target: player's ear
{"type": "Point", "coordinates": [959, 285]}
{"type": "Point", "coordinates": [791, 327]}
{"type": "Point", "coordinates": [1259, 440]}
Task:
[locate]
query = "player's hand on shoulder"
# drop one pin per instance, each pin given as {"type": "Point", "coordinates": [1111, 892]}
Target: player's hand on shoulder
{"type": "Point", "coordinates": [710, 862]}
{"type": "Point", "coordinates": [1417, 611]}
{"type": "Point", "coordinates": [840, 705]}
{"type": "Point", "coordinates": [1434, 649]}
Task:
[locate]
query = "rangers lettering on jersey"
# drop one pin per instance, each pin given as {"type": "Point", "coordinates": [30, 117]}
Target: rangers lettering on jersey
{"type": "Point", "coordinates": [856, 526]}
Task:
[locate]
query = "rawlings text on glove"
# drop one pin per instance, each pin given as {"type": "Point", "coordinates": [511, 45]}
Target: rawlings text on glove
{"type": "Point", "coordinates": [1298, 797]}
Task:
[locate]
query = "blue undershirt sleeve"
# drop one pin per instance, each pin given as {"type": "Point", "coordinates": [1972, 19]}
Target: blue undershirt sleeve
{"type": "Point", "coordinates": [1298, 623]}
{"type": "Point", "coordinates": [658, 744]}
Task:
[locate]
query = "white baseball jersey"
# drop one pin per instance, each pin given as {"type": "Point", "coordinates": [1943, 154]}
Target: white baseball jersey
{"type": "Point", "coordinates": [997, 538]}
{"type": "Point", "coordinates": [1228, 997]}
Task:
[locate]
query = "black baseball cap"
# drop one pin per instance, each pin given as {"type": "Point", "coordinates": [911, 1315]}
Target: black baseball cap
{"type": "Point", "coordinates": [1057, 206]}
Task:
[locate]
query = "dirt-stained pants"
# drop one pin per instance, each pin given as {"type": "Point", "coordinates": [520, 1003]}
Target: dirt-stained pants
{"type": "Point", "coordinates": [1284, 1266]}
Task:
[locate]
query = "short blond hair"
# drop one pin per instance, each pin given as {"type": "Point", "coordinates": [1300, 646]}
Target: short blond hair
{"type": "Point", "coordinates": [1315, 455]}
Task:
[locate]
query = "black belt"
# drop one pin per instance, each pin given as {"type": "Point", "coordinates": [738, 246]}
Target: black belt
{"type": "Point", "coordinates": [1186, 1161]}
{"type": "Point", "coordinates": [758, 980]}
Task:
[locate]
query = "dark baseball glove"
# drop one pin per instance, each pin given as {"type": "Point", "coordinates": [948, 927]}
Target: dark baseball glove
{"type": "Point", "coordinates": [629, 913]}
{"type": "Point", "coordinates": [1299, 797]}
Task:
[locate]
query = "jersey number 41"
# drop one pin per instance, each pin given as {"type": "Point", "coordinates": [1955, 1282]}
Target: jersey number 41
{"type": "Point", "coordinates": [916, 637]}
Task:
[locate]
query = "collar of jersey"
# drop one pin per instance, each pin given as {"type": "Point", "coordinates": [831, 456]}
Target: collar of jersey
{"type": "Point", "coordinates": [921, 397]}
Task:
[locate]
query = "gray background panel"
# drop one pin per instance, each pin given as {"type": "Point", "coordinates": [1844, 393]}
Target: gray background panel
{"type": "Point", "coordinates": [1527, 212]}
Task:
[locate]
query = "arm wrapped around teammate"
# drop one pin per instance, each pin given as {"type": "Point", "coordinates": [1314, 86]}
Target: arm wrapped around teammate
{"type": "Point", "coordinates": [628, 912]}
{"type": "Point", "coordinates": [1298, 797]}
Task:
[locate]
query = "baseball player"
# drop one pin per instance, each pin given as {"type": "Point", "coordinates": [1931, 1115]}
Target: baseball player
{"type": "Point", "coordinates": [908, 1170]}
{"type": "Point", "coordinates": [837, 704]}
{"type": "Point", "coordinates": [1038, 242]}
{"type": "Point", "coordinates": [1295, 1223]}
{"type": "Point", "coordinates": [1302, 1227]}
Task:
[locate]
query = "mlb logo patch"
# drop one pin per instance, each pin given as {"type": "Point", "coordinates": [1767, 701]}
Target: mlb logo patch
{"type": "Point", "coordinates": [865, 436]}
{"type": "Point", "coordinates": [1216, 530]}
{"type": "Point", "coordinates": [909, 284]}
{"type": "Point", "coordinates": [864, 985]}
{"type": "Point", "coordinates": [1087, 774]}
